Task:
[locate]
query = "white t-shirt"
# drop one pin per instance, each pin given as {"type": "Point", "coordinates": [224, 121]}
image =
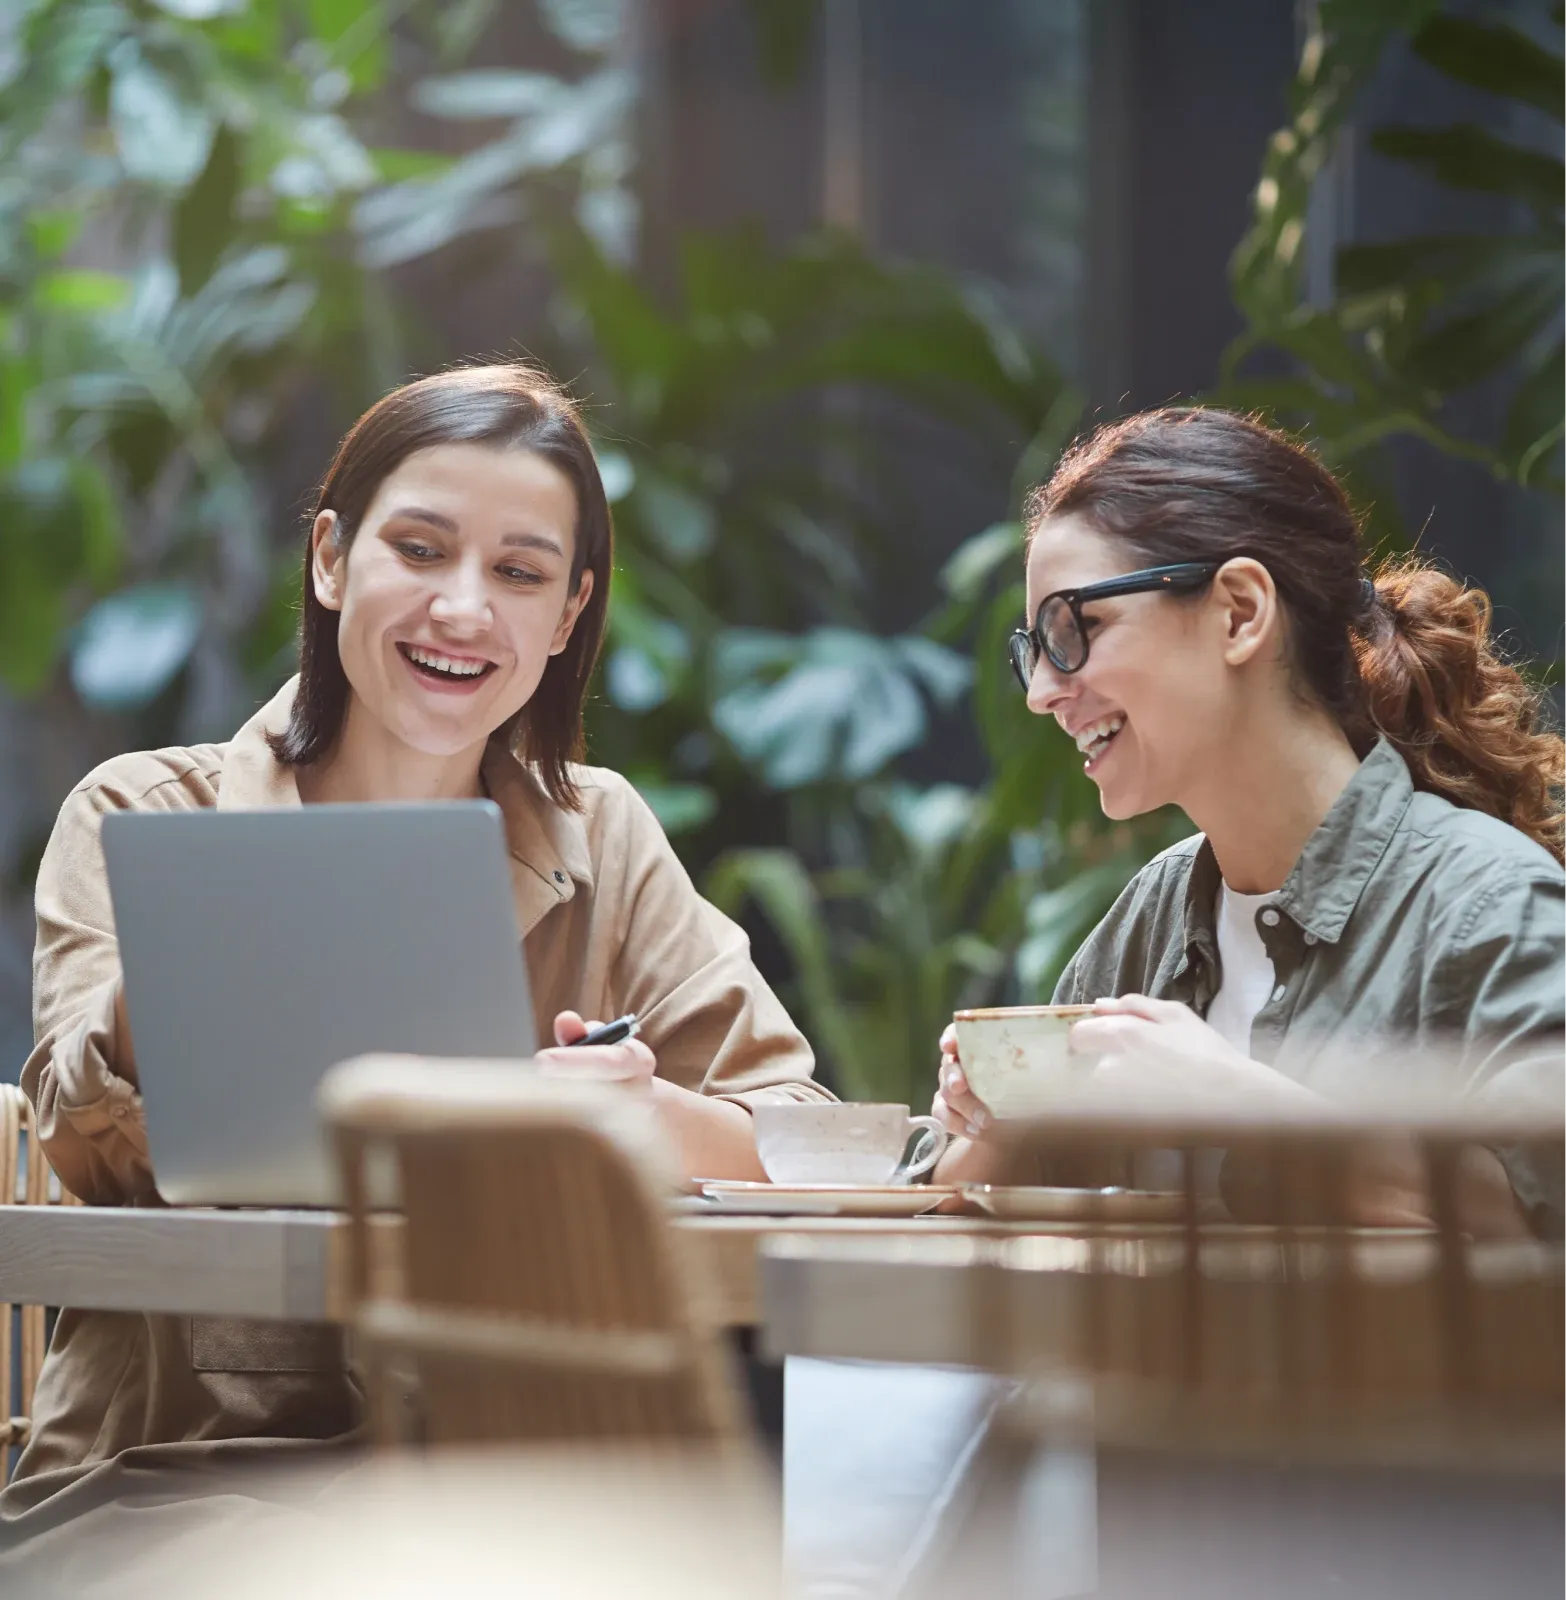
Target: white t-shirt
{"type": "Point", "coordinates": [1246, 974]}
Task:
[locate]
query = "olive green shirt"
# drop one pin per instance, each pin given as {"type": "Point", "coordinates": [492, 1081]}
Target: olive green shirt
{"type": "Point", "coordinates": [1412, 936]}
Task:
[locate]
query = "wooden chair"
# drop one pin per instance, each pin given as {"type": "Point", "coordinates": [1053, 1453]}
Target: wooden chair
{"type": "Point", "coordinates": [536, 1291]}
{"type": "Point", "coordinates": [1273, 1389]}
{"type": "Point", "coordinates": [25, 1179]}
{"type": "Point", "coordinates": [1299, 1327]}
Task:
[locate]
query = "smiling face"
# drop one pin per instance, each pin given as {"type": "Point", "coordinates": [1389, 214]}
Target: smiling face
{"type": "Point", "coordinates": [1154, 708]}
{"type": "Point", "coordinates": [454, 593]}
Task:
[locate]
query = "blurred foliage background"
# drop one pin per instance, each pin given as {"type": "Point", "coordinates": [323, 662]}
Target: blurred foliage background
{"type": "Point", "coordinates": [213, 222]}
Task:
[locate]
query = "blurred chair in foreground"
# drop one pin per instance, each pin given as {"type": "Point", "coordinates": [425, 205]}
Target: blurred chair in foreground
{"type": "Point", "coordinates": [25, 1179]}
{"type": "Point", "coordinates": [1292, 1408]}
{"type": "Point", "coordinates": [536, 1291]}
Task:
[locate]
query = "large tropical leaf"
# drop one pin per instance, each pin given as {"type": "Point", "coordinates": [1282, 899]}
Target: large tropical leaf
{"type": "Point", "coordinates": [1493, 56]}
{"type": "Point", "coordinates": [1466, 157]}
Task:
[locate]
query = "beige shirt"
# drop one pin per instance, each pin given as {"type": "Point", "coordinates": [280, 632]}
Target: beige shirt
{"type": "Point", "coordinates": [611, 923]}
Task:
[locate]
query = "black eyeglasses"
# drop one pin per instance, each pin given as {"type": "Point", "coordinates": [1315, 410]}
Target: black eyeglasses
{"type": "Point", "coordinates": [1057, 632]}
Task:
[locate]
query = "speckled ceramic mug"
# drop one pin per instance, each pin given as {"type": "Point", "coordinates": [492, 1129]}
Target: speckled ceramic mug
{"type": "Point", "coordinates": [813, 1141]}
{"type": "Point", "coordinates": [1017, 1059]}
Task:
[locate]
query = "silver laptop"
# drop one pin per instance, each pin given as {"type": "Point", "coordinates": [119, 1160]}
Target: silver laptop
{"type": "Point", "coordinates": [260, 947]}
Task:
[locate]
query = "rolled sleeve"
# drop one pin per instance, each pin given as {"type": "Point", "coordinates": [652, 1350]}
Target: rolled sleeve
{"type": "Point", "coordinates": [1508, 959]}
{"type": "Point", "coordinates": [85, 1102]}
{"type": "Point", "coordinates": [686, 970]}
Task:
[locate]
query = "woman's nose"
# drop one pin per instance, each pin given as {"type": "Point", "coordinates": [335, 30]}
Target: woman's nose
{"type": "Point", "coordinates": [1047, 689]}
{"type": "Point", "coordinates": [462, 599]}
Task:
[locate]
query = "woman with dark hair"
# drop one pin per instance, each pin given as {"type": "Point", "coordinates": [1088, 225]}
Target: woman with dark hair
{"type": "Point", "coordinates": [455, 584]}
{"type": "Point", "coordinates": [1378, 797]}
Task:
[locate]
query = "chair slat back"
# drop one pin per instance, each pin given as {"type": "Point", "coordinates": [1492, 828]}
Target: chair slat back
{"type": "Point", "coordinates": [1295, 1327]}
{"type": "Point", "coordinates": [25, 1179]}
{"type": "Point", "coordinates": [543, 1294]}
{"type": "Point", "coordinates": [13, 1423]}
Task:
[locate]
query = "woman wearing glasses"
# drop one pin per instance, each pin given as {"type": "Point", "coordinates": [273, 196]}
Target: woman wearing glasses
{"type": "Point", "coordinates": [1380, 848]}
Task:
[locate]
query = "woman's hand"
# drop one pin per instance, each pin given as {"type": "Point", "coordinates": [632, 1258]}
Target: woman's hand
{"type": "Point", "coordinates": [956, 1107]}
{"type": "Point", "coordinates": [1160, 1049]}
{"type": "Point", "coordinates": [630, 1063]}
{"type": "Point", "coordinates": [712, 1138]}
{"type": "Point", "coordinates": [971, 1157]}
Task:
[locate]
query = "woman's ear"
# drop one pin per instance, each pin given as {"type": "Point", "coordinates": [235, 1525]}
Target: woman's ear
{"type": "Point", "coordinates": [1248, 602]}
{"type": "Point", "coordinates": [328, 562]}
{"type": "Point", "coordinates": [574, 608]}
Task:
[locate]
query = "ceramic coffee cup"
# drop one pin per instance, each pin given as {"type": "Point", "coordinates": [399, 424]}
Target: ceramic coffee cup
{"type": "Point", "coordinates": [1017, 1059]}
{"type": "Point", "coordinates": [814, 1141]}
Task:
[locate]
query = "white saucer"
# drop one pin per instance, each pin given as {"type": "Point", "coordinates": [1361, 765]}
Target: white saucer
{"type": "Point", "coordinates": [821, 1199]}
{"type": "Point", "coordinates": [1019, 1204]}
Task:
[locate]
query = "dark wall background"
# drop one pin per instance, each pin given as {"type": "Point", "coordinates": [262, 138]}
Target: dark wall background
{"type": "Point", "coordinates": [1184, 94]}
{"type": "Point", "coordinates": [1092, 161]}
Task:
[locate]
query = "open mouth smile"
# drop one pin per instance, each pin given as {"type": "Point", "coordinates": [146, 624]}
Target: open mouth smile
{"type": "Point", "coordinates": [449, 672]}
{"type": "Point", "coordinates": [1095, 739]}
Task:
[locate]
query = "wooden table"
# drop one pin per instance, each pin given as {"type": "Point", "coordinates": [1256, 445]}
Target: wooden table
{"type": "Point", "coordinates": [289, 1264]}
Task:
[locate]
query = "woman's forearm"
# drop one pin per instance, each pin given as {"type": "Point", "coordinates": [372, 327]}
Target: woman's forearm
{"type": "Point", "coordinates": [712, 1138]}
{"type": "Point", "coordinates": [968, 1161]}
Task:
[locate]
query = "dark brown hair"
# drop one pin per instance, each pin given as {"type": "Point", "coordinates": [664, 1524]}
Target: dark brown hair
{"type": "Point", "coordinates": [1407, 654]}
{"type": "Point", "coordinates": [511, 406]}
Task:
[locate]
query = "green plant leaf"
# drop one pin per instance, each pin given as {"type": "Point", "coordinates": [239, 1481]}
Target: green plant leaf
{"type": "Point", "coordinates": [683, 524]}
{"type": "Point", "coordinates": [1493, 56]}
{"type": "Point", "coordinates": [204, 218]}
{"type": "Point", "coordinates": [492, 92]}
{"type": "Point", "coordinates": [98, 526]}
{"type": "Point", "coordinates": [199, 10]}
{"type": "Point", "coordinates": [975, 562]}
{"type": "Point", "coordinates": [79, 289]}
{"type": "Point", "coordinates": [845, 706]}
{"type": "Point", "coordinates": [1455, 261]}
{"type": "Point", "coordinates": [32, 611]}
{"type": "Point", "coordinates": [945, 674]}
{"type": "Point", "coordinates": [53, 232]}
{"type": "Point", "coordinates": [1468, 348]}
{"type": "Point", "coordinates": [634, 680]}
{"type": "Point", "coordinates": [397, 166]}
{"type": "Point", "coordinates": [1463, 156]}
{"type": "Point", "coordinates": [587, 26]}
{"type": "Point", "coordinates": [163, 137]}
{"type": "Point", "coordinates": [776, 881]}
{"type": "Point", "coordinates": [679, 807]}
{"type": "Point", "coordinates": [14, 390]}
{"type": "Point", "coordinates": [1535, 421]}
{"type": "Point", "coordinates": [357, 34]}
{"type": "Point", "coordinates": [130, 645]}
{"type": "Point", "coordinates": [459, 25]}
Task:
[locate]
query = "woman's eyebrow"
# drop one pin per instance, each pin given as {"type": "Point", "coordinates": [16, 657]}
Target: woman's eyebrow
{"type": "Point", "coordinates": [418, 514]}
{"type": "Point", "coordinates": [534, 541]}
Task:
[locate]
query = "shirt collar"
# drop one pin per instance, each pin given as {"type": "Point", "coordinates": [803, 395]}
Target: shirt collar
{"type": "Point", "coordinates": [253, 778]}
{"type": "Point", "coordinates": [1320, 894]}
{"type": "Point", "coordinates": [548, 841]}
{"type": "Point", "coordinates": [547, 837]}
{"type": "Point", "coordinates": [1201, 899]}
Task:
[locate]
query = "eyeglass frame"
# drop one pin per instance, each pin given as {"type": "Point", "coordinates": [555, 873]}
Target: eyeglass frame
{"type": "Point", "coordinates": [1183, 577]}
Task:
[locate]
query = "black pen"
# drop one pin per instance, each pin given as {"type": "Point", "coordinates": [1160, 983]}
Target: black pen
{"type": "Point", "coordinates": [616, 1032]}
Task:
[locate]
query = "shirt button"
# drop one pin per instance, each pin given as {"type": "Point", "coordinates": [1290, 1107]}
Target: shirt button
{"type": "Point", "coordinates": [559, 877]}
{"type": "Point", "coordinates": [1279, 992]}
{"type": "Point", "coordinates": [1270, 917]}
{"type": "Point", "coordinates": [1310, 938]}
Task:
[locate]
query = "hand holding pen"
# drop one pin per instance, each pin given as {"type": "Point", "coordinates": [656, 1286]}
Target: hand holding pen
{"type": "Point", "coordinates": [604, 1052]}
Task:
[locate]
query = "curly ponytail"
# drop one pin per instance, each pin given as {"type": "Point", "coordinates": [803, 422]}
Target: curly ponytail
{"type": "Point", "coordinates": [1467, 722]}
{"type": "Point", "coordinates": [1408, 657]}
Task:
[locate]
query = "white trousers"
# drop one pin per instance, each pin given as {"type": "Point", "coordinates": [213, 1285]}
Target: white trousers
{"type": "Point", "coordinates": [874, 1461]}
